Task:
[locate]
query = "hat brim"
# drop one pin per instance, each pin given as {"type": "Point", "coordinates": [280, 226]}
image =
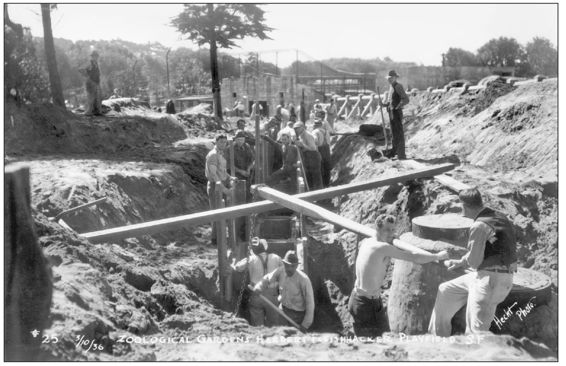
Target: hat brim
{"type": "Point", "coordinates": [286, 262]}
{"type": "Point", "coordinates": [392, 76]}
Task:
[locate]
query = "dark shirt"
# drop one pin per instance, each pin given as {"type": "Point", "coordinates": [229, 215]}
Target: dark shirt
{"type": "Point", "coordinates": [397, 96]}
{"type": "Point", "coordinates": [243, 156]}
{"type": "Point", "coordinates": [93, 72]}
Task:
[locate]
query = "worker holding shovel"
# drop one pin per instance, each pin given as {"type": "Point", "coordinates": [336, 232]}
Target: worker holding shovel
{"type": "Point", "coordinates": [295, 288]}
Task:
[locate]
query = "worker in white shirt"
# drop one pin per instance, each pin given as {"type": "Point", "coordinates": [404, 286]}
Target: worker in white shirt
{"type": "Point", "coordinates": [297, 296]}
{"type": "Point", "coordinates": [258, 264]}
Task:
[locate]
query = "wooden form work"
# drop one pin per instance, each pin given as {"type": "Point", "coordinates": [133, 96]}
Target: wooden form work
{"type": "Point", "coordinates": [153, 227]}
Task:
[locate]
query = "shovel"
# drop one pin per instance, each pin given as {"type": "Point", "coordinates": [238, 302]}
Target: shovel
{"type": "Point", "coordinates": [279, 311]}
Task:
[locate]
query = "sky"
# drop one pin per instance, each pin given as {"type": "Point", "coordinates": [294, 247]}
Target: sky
{"type": "Point", "coordinates": [404, 32]}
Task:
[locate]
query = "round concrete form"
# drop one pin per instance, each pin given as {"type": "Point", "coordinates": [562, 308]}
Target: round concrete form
{"type": "Point", "coordinates": [449, 228]}
{"type": "Point", "coordinates": [414, 286]}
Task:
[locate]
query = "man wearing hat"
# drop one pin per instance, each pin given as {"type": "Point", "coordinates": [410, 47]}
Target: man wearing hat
{"type": "Point", "coordinates": [274, 159]}
{"type": "Point", "coordinates": [94, 98]}
{"type": "Point", "coordinates": [295, 288]}
{"type": "Point", "coordinates": [322, 139]}
{"type": "Point", "coordinates": [395, 100]}
{"type": "Point", "coordinates": [312, 160]}
{"type": "Point", "coordinates": [290, 157]}
{"type": "Point", "coordinates": [258, 264]}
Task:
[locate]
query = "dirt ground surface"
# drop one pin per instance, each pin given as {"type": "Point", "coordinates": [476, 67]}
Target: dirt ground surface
{"type": "Point", "coordinates": [156, 297]}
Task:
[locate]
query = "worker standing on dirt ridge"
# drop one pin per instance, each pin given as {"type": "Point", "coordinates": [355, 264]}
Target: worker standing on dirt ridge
{"type": "Point", "coordinates": [311, 156]}
{"type": "Point", "coordinates": [374, 255]}
{"type": "Point", "coordinates": [215, 171]}
{"type": "Point", "coordinates": [258, 264]}
{"type": "Point", "coordinates": [94, 95]}
{"type": "Point", "coordinates": [322, 140]}
{"type": "Point", "coordinates": [331, 112]}
{"type": "Point", "coordinates": [493, 258]}
{"type": "Point", "coordinates": [396, 99]}
{"type": "Point", "coordinates": [295, 288]}
{"type": "Point", "coordinates": [290, 157]}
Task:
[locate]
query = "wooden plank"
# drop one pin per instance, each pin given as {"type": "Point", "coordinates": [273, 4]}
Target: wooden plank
{"type": "Point", "coordinates": [77, 208]}
{"type": "Point", "coordinates": [199, 218]}
{"type": "Point", "coordinates": [312, 210]}
{"type": "Point", "coordinates": [443, 179]}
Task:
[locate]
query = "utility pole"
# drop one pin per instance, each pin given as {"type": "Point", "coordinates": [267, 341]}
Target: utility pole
{"type": "Point", "coordinates": [257, 62]}
{"type": "Point", "coordinates": [276, 63]}
{"type": "Point", "coordinates": [167, 63]}
{"type": "Point", "coordinates": [297, 65]}
{"type": "Point", "coordinates": [321, 87]}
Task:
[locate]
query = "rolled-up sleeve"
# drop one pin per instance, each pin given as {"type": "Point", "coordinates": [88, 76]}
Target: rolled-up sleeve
{"type": "Point", "coordinates": [479, 234]}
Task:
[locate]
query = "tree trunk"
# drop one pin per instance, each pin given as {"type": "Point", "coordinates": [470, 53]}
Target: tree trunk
{"type": "Point", "coordinates": [54, 79]}
{"type": "Point", "coordinates": [217, 106]}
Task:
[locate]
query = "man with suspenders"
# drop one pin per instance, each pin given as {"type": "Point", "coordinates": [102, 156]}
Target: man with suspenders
{"type": "Point", "coordinates": [259, 264]}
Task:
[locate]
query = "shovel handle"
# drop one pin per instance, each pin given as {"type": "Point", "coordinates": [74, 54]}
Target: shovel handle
{"type": "Point", "coordinates": [279, 311]}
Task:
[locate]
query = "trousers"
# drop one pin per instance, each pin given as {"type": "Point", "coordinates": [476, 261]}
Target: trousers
{"type": "Point", "coordinates": [326, 166]}
{"type": "Point", "coordinates": [481, 291]}
{"type": "Point", "coordinates": [370, 318]}
{"type": "Point", "coordinates": [312, 161]}
{"type": "Point", "coordinates": [94, 98]}
{"type": "Point", "coordinates": [296, 316]}
{"type": "Point", "coordinates": [398, 143]}
{"type": "Point", "coordinates": [261, 313]}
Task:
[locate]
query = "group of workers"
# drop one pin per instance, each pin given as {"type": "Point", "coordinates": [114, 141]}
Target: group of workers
{"type": "Point", "coordinates": [489, 265]}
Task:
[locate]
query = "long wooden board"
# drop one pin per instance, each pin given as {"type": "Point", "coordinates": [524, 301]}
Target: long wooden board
{"type": "Point", "coordinates": [199, 218]}
{"type": "Point", "coordinates": [443, 179]}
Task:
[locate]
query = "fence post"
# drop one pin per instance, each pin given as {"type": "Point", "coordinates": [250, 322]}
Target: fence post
{"type": "Point", "coordinates": [225, 286]}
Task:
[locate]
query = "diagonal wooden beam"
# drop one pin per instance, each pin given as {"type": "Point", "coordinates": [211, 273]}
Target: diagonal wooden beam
{"type": "Point", "coordinates": [199, 218]}
{"type": "Point", "coordinates": [312, 210]}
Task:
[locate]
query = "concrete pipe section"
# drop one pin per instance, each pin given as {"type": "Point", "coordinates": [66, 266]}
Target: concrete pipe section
{"type": "Point", "coordinates": [414, 286]}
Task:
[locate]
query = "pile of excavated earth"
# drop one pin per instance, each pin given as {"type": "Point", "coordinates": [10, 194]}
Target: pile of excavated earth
{"type": "Point", "coordinates": [157, 298]}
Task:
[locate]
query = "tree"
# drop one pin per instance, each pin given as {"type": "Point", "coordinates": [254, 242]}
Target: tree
{"type": "Point", "coordinates": [500, 52]}
{"type": "Point", "coordinates": [54, 79]}
{"type": "Point", "coordinates": [220, 25]}
{"type": "Point", "coordinates": [542, 56]}
{"type": "Point", "coordinates": [460, 57]}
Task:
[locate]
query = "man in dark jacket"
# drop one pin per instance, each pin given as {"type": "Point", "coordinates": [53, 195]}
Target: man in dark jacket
{"type": "Point", "coordinates": [94, 95]}
{"type": "Point", "coordinates": [493, 259]}
{"type": "Point", "coordinates": [290, 158]}
{"type": "Point", "coordinates": [395, 101]}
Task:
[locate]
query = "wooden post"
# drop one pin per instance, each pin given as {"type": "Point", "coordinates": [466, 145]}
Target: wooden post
{"type": "Point", "coordinates": [239, 197]}
{"type": "Point", "coordinates": [199, 218]}
{"type": "Point", "coordinates": [258, 141]}
{"type": "Point", "coordinates": [367, 108]}
{"type": "Point", "coordinates": [355, 107]}
{"type": "Point", "coordinates": [225, 286]}
{"type": "Point", "coordinates": [342, 108]}
{"type": "Point", "coordinates": [346, 110]}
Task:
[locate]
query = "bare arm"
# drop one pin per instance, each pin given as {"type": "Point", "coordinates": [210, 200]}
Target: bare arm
{"type": "Point", "coordinates": [268, 279]}
{"type": "Point", "coordinates": [418, 256]}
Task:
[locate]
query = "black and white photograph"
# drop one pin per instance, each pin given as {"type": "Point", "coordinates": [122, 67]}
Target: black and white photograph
{"type": "Point", "coordinates": [266, 182]}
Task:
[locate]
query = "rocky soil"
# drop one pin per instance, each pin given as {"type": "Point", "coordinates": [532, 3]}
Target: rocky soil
{"type": "Point", "coordinates": [133, 296]}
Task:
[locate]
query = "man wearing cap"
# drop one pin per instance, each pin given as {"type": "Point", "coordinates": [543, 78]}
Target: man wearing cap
{"type": "Point", "coordinates": [374, 255]}
{"type": "Point", "coordinates": [215, 171]}
{"type": "Point", "coordinates": [287, 130]}
{"type": "Point", "coordinates": [295, 288]}
{"type": "Point", "coordinates": [94, 98]}
{"type": "Point", "coordinates": [258, 264]}
{"type": "Point", "coordinates": [312, 160]}
{"type": "Point", "coordinates": [290, 157]}
{"type": "Point", "coordinates": [395, 100]}
{"type": "Point", "coordinates": [492, 256]}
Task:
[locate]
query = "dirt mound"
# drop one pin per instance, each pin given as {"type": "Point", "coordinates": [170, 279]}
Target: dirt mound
{"type": "Point", "coordinates": [40, 129]}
